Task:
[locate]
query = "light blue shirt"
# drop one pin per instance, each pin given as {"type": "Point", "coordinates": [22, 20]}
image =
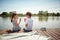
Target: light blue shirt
{"type": "Point", "coordinates": [29, 21]}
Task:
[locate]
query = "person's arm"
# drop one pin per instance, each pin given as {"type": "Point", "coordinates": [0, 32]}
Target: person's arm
{"type": "Point", "coordinates": [26, 24]}
{"type": "Point", "coordinates": [18, 22]}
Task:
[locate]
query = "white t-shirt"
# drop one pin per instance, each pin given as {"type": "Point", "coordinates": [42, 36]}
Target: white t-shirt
{"type": "Point", "coordinates": [29, 21]}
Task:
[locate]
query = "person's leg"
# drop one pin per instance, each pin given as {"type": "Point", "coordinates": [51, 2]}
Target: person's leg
{"type": "Point", "coordinates": [4, 31]}
{"type": "Point", "coordinates": [9, 31]}
{"type": "Point", "coordinates": [27, 30]}
{"type": "Point", "coordinates": [24, 30]}
{"type": "Point", "coordinates": [19, 29]}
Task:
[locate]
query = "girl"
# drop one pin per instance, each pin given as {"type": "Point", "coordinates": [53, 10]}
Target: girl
{"type": "Point", "coordinates": [15, 22]}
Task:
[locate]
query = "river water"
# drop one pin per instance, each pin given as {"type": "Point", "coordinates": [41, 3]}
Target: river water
{"type": "Point", "coordinates": [38, 22]}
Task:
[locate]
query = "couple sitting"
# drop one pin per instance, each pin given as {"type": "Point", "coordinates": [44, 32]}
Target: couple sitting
{"type": "Point", "coordinates": [16, 22]}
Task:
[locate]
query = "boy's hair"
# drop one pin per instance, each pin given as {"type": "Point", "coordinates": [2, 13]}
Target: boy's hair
{"type": "Point", "coordinates": [29, 14]}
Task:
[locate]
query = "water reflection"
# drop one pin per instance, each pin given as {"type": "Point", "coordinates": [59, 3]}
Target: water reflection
{"type": "Point", "coordinates": [57, 17]}
{"type": "Point", "coordinates": [43, 18]}
{"type": "Point", "coordinates": [53, 18]}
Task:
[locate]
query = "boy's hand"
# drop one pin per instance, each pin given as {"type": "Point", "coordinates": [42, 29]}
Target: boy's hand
{"type": "Point", "coordinates": [26, 25]}
{"type": "Point", "coordinates": [24, 19]}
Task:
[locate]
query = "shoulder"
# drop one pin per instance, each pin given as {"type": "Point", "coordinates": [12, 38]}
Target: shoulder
{"type": "Point", "coordinates": [30, 20]}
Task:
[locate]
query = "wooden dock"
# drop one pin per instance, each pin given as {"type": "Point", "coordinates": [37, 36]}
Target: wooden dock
{"type": "Point", "coordinates": [53, 33]}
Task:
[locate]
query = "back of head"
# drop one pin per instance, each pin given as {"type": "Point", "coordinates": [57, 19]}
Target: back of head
{"type": "Point", "coordinates": [14, 14]}
{"type": "Point", "coordinates": [29, 14]}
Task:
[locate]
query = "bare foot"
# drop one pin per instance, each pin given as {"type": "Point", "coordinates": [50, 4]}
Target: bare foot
{"type": "Point", "coordinates": [3, 32]}
{"type": "Point", "coordinates": [21, 31]}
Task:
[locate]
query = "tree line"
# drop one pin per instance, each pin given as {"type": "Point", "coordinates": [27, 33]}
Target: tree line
{"type": "Point", "coordinates": [45, 13]}
{"type": "Point", "coordinates": [40, 13]}
{"type": "Point", "coordinates": [6, 14]}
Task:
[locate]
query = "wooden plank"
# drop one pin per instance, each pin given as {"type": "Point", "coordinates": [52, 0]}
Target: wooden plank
{"type": "Point", "coordinates": [47, 33]}
{"type": "Point", "coordinates": [56, 34]}
{"type": "Point", "coordinates": [53, 35]}
{"type": "Point", "coordinates": [41, 32]}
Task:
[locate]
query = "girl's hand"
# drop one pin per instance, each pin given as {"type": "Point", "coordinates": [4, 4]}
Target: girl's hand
{"type": "Point", "coordinates": [24, 19]}
{"type": "Point", "coordinates": [20, 19]}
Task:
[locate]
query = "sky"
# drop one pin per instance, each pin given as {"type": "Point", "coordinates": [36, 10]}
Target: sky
{"type": "Point", "coordinates": [22, 6]}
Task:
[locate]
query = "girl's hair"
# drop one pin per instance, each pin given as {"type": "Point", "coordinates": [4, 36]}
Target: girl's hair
{"type": "Point", "coordinates": [13, 16]}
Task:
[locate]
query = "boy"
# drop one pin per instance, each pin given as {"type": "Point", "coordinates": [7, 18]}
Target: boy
{"type": "Point", "coordinates": [28, 22]}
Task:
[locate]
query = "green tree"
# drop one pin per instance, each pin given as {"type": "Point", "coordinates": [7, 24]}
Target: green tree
{"type": "Point", "coordinates": [53, 14]}
{"type": "Point", "coordinates": [10, 14]}
{"type": "Point", "coordinates": [57, 14]}
{"type": "Point", "coordinates": [4, 14]}
{"type": "Point", "coordinates": [40, 12]}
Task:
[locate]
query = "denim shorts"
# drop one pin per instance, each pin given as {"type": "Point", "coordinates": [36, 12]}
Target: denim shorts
{"type": "Point", "coordinates": [12, 31]}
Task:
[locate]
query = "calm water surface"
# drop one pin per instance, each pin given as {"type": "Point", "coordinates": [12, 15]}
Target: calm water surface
{"type": "Point", "coordinates": [38, 22]}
